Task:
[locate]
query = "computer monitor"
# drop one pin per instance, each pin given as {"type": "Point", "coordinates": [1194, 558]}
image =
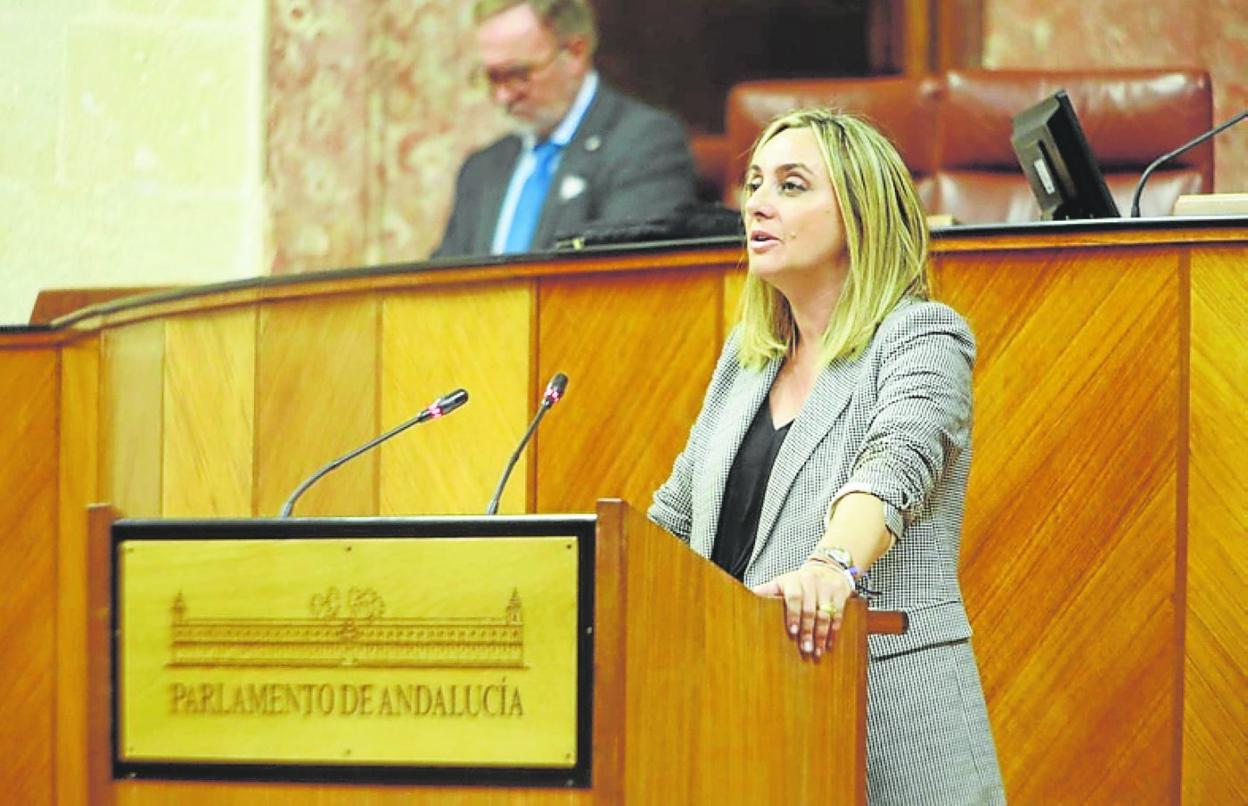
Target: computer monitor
{"type": "Point", "coordinates": [1061, 168]}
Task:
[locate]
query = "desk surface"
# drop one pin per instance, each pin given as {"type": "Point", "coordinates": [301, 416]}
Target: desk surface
{"type": "Point", "coordinates": [668, 255]}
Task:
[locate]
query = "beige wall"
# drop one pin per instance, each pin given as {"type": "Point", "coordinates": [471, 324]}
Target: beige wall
{"type": "Point", "coordinates": [131, 148]}
{"type": "Point", "coordinates": [1070, 34]}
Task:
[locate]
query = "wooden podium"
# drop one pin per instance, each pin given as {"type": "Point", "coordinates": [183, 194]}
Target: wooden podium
{"type": "Point", "coordinates": [688, 689]}
{"type": "Point", "coordinates": [1110, 359]}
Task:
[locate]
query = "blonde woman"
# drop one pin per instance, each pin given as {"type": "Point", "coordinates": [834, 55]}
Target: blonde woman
{"type": "Point", "coordinates": [834, 443]}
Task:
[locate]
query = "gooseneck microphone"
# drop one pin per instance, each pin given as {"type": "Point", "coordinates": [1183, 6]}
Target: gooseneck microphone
{"type": "Point", "coordinates": [554, 391]}
{"type": "Point", "coordinates": [1164, 158]}
{"type": "Point", "coordinates": [438, 408]}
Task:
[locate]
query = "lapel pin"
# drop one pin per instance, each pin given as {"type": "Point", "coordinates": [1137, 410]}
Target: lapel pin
{"type": "Point", "coordinates": [571, 187]}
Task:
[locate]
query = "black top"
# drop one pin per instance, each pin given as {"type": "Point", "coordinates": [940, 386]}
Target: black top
{"type": "Point", "coordinates": [743, 494]}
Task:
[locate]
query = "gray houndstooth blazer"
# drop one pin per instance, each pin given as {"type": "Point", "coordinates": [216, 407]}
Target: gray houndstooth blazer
{"type": "Point", "coordinates": [894, 422]}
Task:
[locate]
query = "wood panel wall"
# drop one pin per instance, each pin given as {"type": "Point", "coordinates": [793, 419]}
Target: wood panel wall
{"type": "Point", "coordinates": [1104, 551]}
{"type": "Point", "coordinates": [208, 415]}
{"type": "Point", "coordinates": [132, 363]}
{"type": "Point", "coordinates": [1071, 513]}
{"type": "Point", "coordinates": [630, 344]}
{"type": "Point", "coordinates": [317, 367]}
{"type": "Point", "coordinates": [28, 512]}
{"type": "Point", "coordinates": [79, 486]}
{"type": "Point", "coordinates": [439, 340]}
{"type": "Point", "coordinates": [1215, 661]}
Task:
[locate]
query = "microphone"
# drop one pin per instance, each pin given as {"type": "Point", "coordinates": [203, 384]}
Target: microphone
{"type": "Point", "coordinates": [438, 408]}
{"type": "Point", "coordinates": [552, 395]}
{"type": "Point", "coordinates": [1139, 187]}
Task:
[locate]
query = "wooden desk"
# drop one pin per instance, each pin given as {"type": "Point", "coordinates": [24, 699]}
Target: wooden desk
{"type": "Point", "coordinates": [1106, 540]}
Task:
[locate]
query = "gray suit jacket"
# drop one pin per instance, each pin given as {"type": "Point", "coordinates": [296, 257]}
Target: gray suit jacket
{"type": "Point", "coordinates": [631, 161]}
{"type": "Point", "coordinates": [894, 422]}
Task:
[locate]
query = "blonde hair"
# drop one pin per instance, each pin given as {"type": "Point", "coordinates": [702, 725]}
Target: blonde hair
{"type": "Point", "coordinates": [567, 18]}
{"type": "Point", "coordinates": [885, 237]}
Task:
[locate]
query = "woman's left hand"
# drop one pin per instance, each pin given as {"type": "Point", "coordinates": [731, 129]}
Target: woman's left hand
{"type": "Point", "coordinates": [814, 603]}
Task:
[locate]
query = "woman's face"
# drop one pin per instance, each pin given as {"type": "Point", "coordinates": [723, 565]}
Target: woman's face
{"type": "Point", "coordinates": [792, 220]}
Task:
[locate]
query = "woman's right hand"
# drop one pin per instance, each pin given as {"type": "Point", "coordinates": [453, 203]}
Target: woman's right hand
{"type": "Point", "coordinates": [814, 604]}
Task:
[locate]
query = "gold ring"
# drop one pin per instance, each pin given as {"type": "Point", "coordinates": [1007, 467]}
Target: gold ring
{"type": "Point", "coordinates": [830, 609]}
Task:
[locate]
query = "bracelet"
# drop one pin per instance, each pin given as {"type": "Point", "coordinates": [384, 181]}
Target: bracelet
{"type": "Point", "coordinates": [851, 574]}
{"type": "Point", "coordinates": [858, 579]}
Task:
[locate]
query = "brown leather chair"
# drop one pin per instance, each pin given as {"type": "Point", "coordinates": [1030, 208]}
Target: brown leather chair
{"type": "Point", "coordinates": [953, 131]}
{"type": "Point", "coordinates": [901, 107]}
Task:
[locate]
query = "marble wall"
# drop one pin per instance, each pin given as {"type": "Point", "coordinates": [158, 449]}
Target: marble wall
{"type": "Point", "coordinates": [370, 114]}
{"type": "Point", "coordinates": [1069, 34]}
{"type": "Point", "coordinates": [130, 144]}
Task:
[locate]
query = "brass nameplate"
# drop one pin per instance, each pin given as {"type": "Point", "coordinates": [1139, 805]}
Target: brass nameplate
{"type": "Point", "coordinates": [386, 651]}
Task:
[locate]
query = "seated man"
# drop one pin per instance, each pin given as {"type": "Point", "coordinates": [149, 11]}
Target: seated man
{"type": "Point", "coordinates": [583, 151]}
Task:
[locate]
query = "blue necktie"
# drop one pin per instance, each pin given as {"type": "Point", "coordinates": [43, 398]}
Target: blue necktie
{"type": "Point", "coordinates": [532, 197]}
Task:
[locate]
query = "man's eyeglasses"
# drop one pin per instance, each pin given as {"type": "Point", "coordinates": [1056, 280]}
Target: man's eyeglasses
{"type": "Point", "coordinates": [513, 76]}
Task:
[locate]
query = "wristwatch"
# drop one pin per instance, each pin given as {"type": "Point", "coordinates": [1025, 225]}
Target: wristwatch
{"type": "Point", "coordinates": [834, 555]}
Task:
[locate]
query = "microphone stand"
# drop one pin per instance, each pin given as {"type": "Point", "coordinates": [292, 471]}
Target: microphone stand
{"type": "Point", "coordinates": [444, 405]}
{"type": "Point", "coordinates": [1164, 158]}
{"type": "Point", "coordinates": [554, 391]}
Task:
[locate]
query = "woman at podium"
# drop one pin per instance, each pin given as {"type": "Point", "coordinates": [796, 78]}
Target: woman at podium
{"type": "Point", "coordinates": [833, 445]}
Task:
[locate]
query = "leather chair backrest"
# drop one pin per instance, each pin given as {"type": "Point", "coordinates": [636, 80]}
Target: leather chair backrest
{"type": "Point", "coordinates": [900, 107]}
{"type": "Point", "coordinates": [1130, 118]}
{"type": "Point", "coordinates": [953, 131]}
